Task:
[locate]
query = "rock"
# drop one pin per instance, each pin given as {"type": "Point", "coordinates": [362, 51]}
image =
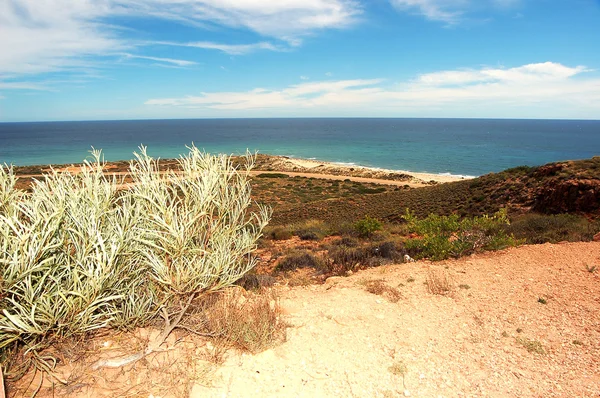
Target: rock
{"type": "Point", "coordinates": [568, 197]}
{"type": "Point", "coordinates": [596, 237]}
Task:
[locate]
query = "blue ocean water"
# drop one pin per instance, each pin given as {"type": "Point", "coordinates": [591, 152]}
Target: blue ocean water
{"type": "Point", "coordinates": [455, 146]}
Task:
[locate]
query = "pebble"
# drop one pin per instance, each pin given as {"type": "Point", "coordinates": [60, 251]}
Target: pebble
{"type": "Point", "coordinates": [406, 393]}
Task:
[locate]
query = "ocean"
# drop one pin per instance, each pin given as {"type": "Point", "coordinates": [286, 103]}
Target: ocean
{"type": "Point", "coordinates": [467, 147]}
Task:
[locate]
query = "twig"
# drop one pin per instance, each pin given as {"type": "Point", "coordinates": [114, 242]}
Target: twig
{"type": "Point", "coordinates": [153, 346]}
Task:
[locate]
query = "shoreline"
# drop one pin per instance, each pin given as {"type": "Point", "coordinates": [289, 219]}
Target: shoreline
{"type": "Point", "coordinates": [283, 164]}
{"type": "Point", "coordinates": [314, 166]}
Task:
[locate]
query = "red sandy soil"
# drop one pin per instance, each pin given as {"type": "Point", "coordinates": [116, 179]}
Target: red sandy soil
{"type": "Point", "coordinates": [344, 341]}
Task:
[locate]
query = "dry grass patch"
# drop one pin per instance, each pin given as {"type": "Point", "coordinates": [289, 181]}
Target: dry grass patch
{"type": "Point", "coordinates": [438, 282]}
{"type": "Point", "coordinates": [380, 288]}
{"type": "Point", "coordinates": [250, 321]}
{"type": "Point", "coordinates": [532, 346]}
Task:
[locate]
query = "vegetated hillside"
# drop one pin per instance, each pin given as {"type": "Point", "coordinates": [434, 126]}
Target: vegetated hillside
{"type": "Point", "coordinates": [554, 188]}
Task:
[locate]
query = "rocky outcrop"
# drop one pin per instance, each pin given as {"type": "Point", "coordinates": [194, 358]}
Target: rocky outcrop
{"type": "Point", "coordinates": [568, 196]}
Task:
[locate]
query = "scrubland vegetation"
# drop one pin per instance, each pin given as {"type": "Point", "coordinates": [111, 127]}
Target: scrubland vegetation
{"type": "Point", "coordinates": [80, 252]}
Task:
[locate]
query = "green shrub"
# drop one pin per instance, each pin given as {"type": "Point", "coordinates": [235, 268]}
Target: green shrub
{"type": "Point", "coordinates": [367, 226]}
{"type": "Point", "coordinates": [442, 237]}
{"type": "Point", "coordinates": [77, 254]}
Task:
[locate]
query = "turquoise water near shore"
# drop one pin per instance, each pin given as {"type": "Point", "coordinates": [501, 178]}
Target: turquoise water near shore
{"type": "Point", "coordinates": [454, 146]}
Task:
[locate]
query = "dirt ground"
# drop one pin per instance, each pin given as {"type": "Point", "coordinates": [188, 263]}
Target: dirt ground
{"type": "Point", "coordinates": [523, 322]}
{"type": "Point", "coordinates": [346, 342]}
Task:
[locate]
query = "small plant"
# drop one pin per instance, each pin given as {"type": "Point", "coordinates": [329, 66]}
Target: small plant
{"type": "Point", "coordinates": [379, 288]}
{"type": "Point", "coordinates": [250, 321]}
{"type": "Point", "coordinates": [542, 300]}
{"type": "Point", "coordinates": [367, 227]}
{"type": "Point", "coordinates": [278, 233]}
{"type": "Point", "coordinates": [399, 368]}
{"type": "Point", "coordinates": [464, 286]}
{"type": "Point", "coordinates": [505, 334]}
{"type": "Point", "coordinates": [532, 346]}
{"type": "Point", "coordinates": [310, 230]}
{"type": "Point", "coordinates": [577, 342]}
{"type": "Point", "coordinates": [348, 241]}
{"type": "Point", "coordinates": [299, 259]}
{"type": "Point", "coordinates": [253, 281]}
{"type": "Point", "coordinates": [347, 258]}
{"type": "Point", "coordinates": [410, 279]}
{"type": "Point", "coordinates": [591, 268]}
{"type": "Point", "coordinates": [438, 283]}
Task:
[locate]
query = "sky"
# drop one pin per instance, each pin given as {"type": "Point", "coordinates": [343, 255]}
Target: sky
{"type": "Point", "coordinates": [162, 59]}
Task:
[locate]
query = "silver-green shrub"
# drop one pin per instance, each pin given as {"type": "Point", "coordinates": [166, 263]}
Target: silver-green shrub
{"type": "Point", "coordinates": [80, 253]}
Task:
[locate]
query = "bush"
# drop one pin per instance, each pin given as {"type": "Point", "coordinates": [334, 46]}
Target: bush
{"type": "Point", "coordinates": [311, 230]}
{"type": "Point", "coordinates": [272, 175]}
{"type": "Point", "coordinates": [278, 233]}
{"type": "Point", "coordinates": [344, 258]}
{"type": "Point", "coordinates": [542, 228]}
{"type": "Point", "coordinates": [347, 241]}
{"type": "Point", "coordinates": [367, 227]}
{"type": "Point", "coordinates": [299, 259]}
{"type": "Point", "coordinates": [78, 254]}
{"type": "Point", "coordinates": [449, 236]}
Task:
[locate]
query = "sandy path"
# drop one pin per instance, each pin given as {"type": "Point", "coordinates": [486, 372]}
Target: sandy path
{"type": "Point", "coordinates": [343, 340]}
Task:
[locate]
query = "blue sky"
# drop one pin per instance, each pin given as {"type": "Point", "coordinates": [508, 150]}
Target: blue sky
{"type": "Point", "coordinates": [138, 59]}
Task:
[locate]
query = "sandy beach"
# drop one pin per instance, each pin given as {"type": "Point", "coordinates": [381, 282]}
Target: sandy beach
{"type": "Point", "coordinates": [295, 168]}
{"type": "Point", "coordinates": [284, 163]}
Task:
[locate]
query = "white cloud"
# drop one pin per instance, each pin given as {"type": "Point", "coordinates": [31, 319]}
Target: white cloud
{"type": "Point", "coordinates": [547, 87]}
{"type": "Point", "coordinates": [451, 12]}
{"type": "Point", "coordinates": [280, 19]}
{"type": "Point", "coordinates": [45, 36]}
{"type": "Point", "coordinates": [260, 98]}
{"type": "Point", "coordinates": [40, 36]}
{"type": "Point", "coordinates": [23, 86]}
{"type": "Point", "coordinates": [304, 77]}
{"type": "Point", "coordinates": [233, 49]}
{"type": "Point", "coordinates": [177, 62]}
{"type": "Point", "coordinates": [526, 74]}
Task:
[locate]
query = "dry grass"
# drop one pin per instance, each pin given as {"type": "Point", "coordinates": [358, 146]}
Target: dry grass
{"type": "Point", "coordinates": [379, 288]}
{"type": "Point", "coordinates": [218, 322]}
{"type": "Point", "coordinates": [438, 282]}
{"type": "Point", "coordinates": [532, 346]}
{"type": "Point", "coordinates": [250, 321]}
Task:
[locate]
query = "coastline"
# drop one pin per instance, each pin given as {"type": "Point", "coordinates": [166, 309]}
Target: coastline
{"type": "Point", "coordinates": [313, 166]}
{"type": "Point", "coordinates": [282, 164]}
